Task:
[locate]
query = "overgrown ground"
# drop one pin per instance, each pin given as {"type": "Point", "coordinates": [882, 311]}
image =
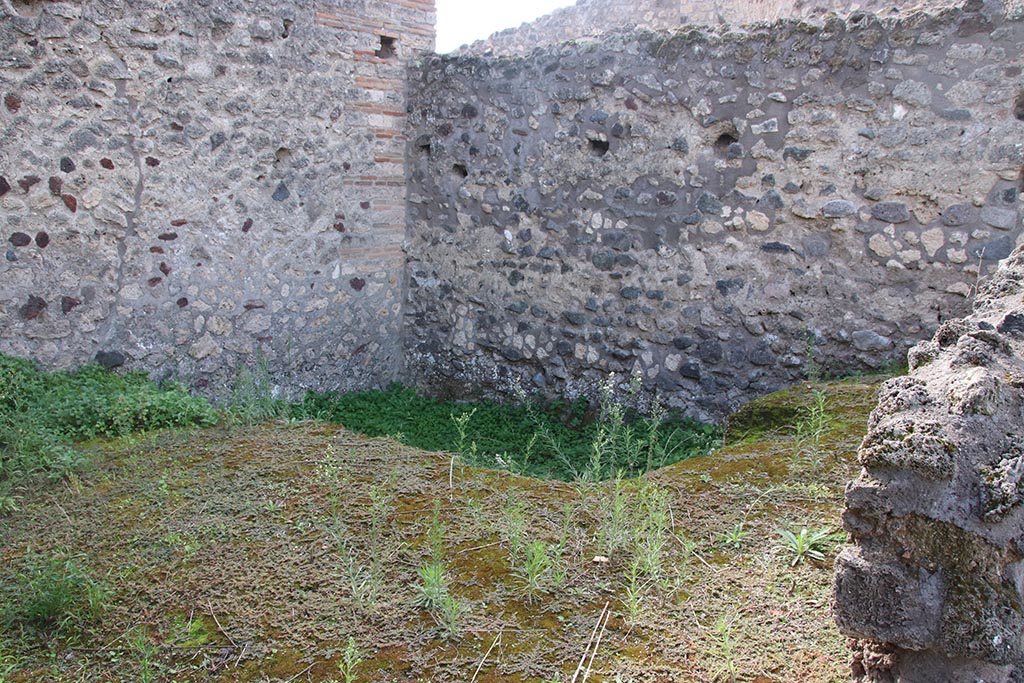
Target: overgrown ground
{"type": "Point", "coordinates": [281, 552]}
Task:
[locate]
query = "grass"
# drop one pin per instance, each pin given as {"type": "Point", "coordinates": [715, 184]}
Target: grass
{"type": "Point", "coordinates": [549, 440]}
{"type": "Point", "coordinates": [53, 594]}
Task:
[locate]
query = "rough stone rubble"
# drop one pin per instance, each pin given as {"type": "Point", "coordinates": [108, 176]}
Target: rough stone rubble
{"type": "Point", "coordinates": [933, 587]}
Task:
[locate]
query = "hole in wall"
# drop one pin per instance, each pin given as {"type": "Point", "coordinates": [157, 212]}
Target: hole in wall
{"type": "Point", "coordinates": [1018, 107]}
{"type": "Point", "coordinates": [287, 28]}
{"type": "Point", "coordinates": [423, 144]}
{"type": "Point", "coordinates": [723, 142]}
{"type": "Point", "coordinates": [599, 147]}
{"type": "Point", "coordinates": [388, 47]}
{"type": "Point", "coordinates": [282, 155]}
{"type": "Point", "coordinates": [460, 171]}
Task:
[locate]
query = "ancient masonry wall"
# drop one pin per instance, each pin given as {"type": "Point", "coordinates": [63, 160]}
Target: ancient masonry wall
{"type": "Point", "coordinates": [186, 186]}
{"type": "Point", "coordinates": [594, 17]}
{"type": "Point", "coordinates": [933, 587]}
{"type": "Point", "coordinates": [692, 208]}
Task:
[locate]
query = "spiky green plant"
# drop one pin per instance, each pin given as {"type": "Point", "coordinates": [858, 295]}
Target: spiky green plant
{"type": "Point", "coordinates": [808, 543]}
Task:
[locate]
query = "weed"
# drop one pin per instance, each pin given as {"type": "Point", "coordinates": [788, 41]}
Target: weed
{"type": "Point", "coordinates": [350, 660]}
{"type": "Point", "coordinates": [463, 446]}
{"type": "Point", "coordinates": [808, 543]}
{"type": "Point", "coordinates": [513, 528]}
{"type": "Point", "coordinates": [382, 502]}
{"type": "Point", "coordinates": [252, 397]}
{"type": "Point", "coordinates": [435, 534]}
{"type": "Point", "coordinates": [146, 651]}
{"type": "Point", "coordinates": [365, 582]}
{"type": "Point", "coordinates": [725, 646]}
{"type": "Point", "coordinates": [330, 469]}
{"type": "Point", "coordinates": [535, 568]}
{"type": "Point", "coordinates": [812, 367]}
{"type": "Point", "coordinates": [559, 562]}
{"type": "Point", "coordinates": [54, 595]}
{"type": "Point", "coordinates": [652, 529]}
{"type": "Point", "coordinates": [551, 440]}
{"type": "Point", "coordinates": [449, 616]}
{"type": "Point", "coordinates": [433, 586]}
{"type": "Point", "coordinates": [614, 531]}
{"type": "Point", "coordinates": [733, 538]}
{"type": "Point", "coordinates": [8, 661]}
{"type": "Point", "coordinates": [8, 501]}
{"type": "Point", "coordinates": [809, 431]}
{"type": "Point", "coordinates": [634, 591]}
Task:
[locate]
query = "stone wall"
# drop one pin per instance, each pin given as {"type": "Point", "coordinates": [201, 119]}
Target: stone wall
{"type": "Point", "coordinates": [594, 17]}
{"type": "Point", "coordinates": [934, 586]}
{"type": "Point", "coordinates": [691, 208]}
{"type": "Point", "coordinates": [186, 185]}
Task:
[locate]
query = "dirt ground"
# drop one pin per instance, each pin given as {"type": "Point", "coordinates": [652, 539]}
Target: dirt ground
{"type": "Point", "coordinates": [264, 553]}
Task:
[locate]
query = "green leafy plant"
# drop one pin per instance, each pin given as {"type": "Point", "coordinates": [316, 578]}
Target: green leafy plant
{"type": "Point", "coordinates": [808, 543]}
{"type": "Point", "coordinates": [433, 585]}
{"type": "Point", "coordinates": [42, 414]}
{"type": "Point", "coordinates": [350, 660]}
{"type": "Point", "coordinates": [449, 616]}
{"type": "Point", "coordinates": [733, 538]}
{"type": "Point", "coordinates": [535, 568]}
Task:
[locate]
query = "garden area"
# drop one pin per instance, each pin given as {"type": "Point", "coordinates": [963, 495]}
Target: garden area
{"type": "Point", "coordinates": [146, 535]}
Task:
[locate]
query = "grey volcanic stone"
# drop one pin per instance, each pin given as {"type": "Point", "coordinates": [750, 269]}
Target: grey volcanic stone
{"type": "Point", "coordinates": [869, 340]}
{"type": "Point", "coordinates": [111, 359]}
{"type": "Point", "coordinates": [838, 208]}
{"type": "Point", "coordinates": [891, 212]}
{"type": "Point", "coordinates": [1003, 219]}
